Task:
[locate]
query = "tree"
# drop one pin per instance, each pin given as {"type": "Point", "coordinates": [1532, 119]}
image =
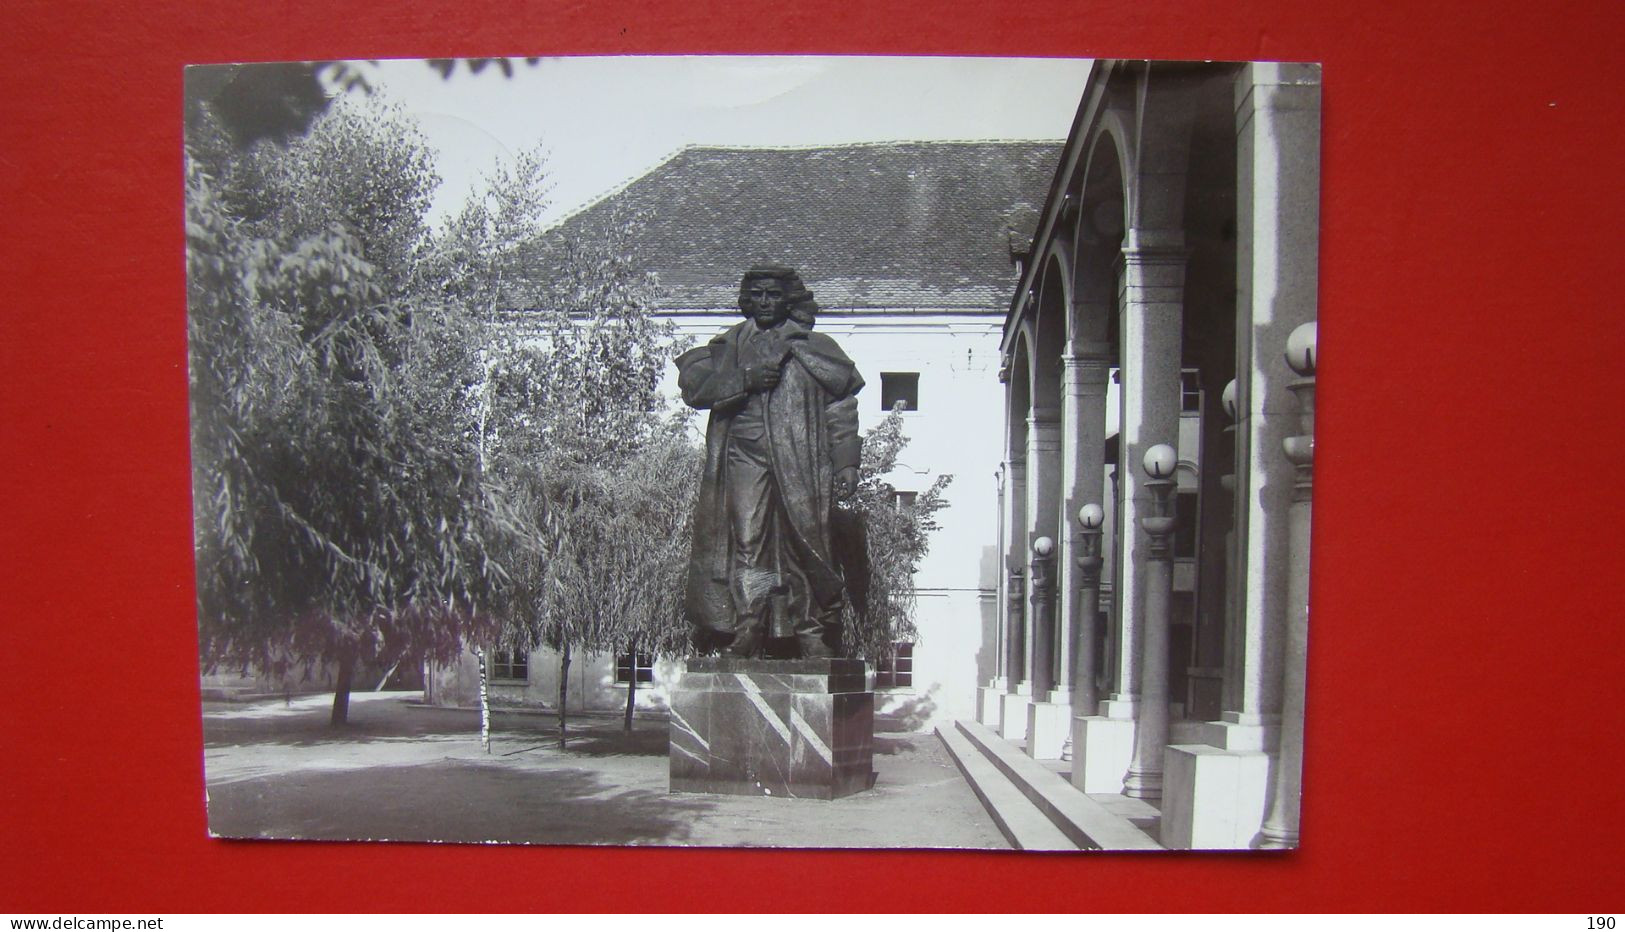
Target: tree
{"type": "Point", "coordinates": [340, 512]}
{"type": "Point", "coordinates": [479, 258]}
{"type": "Point", "coordinates": [277, 101]}
{"type": "Point", "coordinates": [568, 404]}
{"type": "Point", "coordinates": [880, 542]}
{"type": "Point", "coordinates": [643, 553]}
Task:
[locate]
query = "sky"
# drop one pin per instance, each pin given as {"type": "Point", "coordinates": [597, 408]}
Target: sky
{"type": "Point", "coordinates": [606, 121]}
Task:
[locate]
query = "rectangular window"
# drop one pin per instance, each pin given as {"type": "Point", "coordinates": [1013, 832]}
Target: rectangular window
{"type": "Point", "coordinates": [900, 386]}
{"type": "Point", "coordinates": [896, 671]}
{"type": "Point", "coordinates": [1190, 392]}
{"type": "Point", "coordinates": [510, 665]}
{"type": "Point", "coordinates": [901, 500]}
{"type": "Point", "coordinates": [625, 669]}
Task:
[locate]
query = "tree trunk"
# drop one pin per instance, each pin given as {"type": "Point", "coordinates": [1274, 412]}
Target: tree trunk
{"type": "Point", "coordinates": [564, 688]}
{"type": "Point", "coordinates": [485, 703]}
{"type": "Point", "coordinates": [341, 691]}
{"type": "Point", "coordinates": [632, 690]}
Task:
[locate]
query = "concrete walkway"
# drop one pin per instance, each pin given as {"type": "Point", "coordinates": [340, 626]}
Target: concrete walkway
{"type": "Point", "coordinates": [406, 772]}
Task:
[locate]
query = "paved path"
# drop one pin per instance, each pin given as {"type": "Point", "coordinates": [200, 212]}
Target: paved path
{"type": "Point", "coordinates": [407, 772]}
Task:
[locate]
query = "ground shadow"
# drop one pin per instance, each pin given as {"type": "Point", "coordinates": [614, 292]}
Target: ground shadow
{"type": "Point", "coordinates": [900, 744]}
{"type": "Point", "coordinates": [456, 801]}
{"type": "Point", "coordinates": [302, 729]}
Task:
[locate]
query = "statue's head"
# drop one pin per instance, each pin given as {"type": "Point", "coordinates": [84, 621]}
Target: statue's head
{"type": "Point", "coordinates": [770, 293]}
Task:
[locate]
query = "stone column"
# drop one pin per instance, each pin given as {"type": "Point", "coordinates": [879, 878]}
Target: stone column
{"type": "Point", "coordinates": [1281, 828]}
{"type": "Point", "coordinates": [1047, 722]}
{"type": "Point", "coordinates": [1015, 559]}
{"type": "Point", "coordinates": [1043, 474]}
{"type": "Point", "coordinates": [1090, 518]}
{"type": "Point", "coordinates": [1217, 793]}
{"type": "Point", "coordinates": [1151, 298]}
{"type": "Point", "coordinates": [1015, 610]}
{"type": "Point", "coordinates": [1066, 622]}
{"type": "Point", "coordinates": [1088, 561]}
{"type": "Point", "coordinates": [988, 697]}
{"type": "Point", "coordinates": [1013, 706]}
{"type": "Point", "coordinates": [1084, 375]}
{"type": "Point", "coordinates": [1278, 133]}
{"type": "Point", "coordinates": [1012, 712]}
{"type": "Point", "coordinates": [1144, 777]}
{"type": "Point", "coordinates": [1086, 370]}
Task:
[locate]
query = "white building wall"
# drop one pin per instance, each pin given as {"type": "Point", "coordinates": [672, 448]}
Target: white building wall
{"type": "Point", "coordinates": [956, 432]}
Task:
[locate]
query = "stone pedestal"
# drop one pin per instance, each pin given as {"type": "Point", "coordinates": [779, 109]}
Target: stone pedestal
{"type": "Point", "coordinates": [1047, 726]}
{"type": "Point", "coordinates": [1213, 798]}
{"type": "Point", "coordinates": [1214, 793]}
{"type": "Point", "coordinates": [1013, 715]}
{"type": "Point", "coordinates": [989, 703]}
{"type": "Point", "coordinates": [1236, 731]}
{"type": "Point", "coordinates": [794, 728]}
{"type": "Point", "coordinates": [1102, 747]}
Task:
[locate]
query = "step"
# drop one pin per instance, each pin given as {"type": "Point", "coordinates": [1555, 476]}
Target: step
{"type": "Point", "coordinates": [1086, 822]}
{"type": "Point", "coordinates": [1021, 823]}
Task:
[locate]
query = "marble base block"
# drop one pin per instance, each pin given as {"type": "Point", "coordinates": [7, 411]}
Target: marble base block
{"type": "Point", "coordinates": [1101, 751]}
{"type": "Point", "coordinates": [1213, 798]}
{"type": "Point", "coordinates": [988, 702]}
{"type": "Point", "coordinates": [1013, 716]}
{"type": "Point", "coordinates": [1047, 726]}
{"type": "Point", "coordinates": [791, 728]}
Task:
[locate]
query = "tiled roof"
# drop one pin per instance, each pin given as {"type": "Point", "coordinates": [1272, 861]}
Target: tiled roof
{"type": "Point", "coordinates": [885, 225]}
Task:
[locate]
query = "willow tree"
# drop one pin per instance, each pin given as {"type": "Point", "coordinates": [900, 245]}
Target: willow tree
{"type": "Point", "coordinates": [880, 542]}
{"type": "Point", "coordinates": [644, 551]}
{"type": "Point", "coordinates": [569, 398]}
{"type": "Point", "coordinates": [341, 516]}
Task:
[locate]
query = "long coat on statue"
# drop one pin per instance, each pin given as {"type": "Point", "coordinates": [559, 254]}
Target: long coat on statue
{"type": "Point", "coordinates": [812, 432]}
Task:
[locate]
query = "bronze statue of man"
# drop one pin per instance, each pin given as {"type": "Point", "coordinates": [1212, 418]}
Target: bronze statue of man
{"type": "Point", "coordinates": [782, 444]}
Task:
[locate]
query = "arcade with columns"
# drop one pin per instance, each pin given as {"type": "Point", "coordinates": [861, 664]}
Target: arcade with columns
{"type": "Point", "coordinates": [1159, 360]}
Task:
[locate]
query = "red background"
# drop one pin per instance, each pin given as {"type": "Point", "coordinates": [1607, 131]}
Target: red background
{"type": "Point", "coordinates": [1463, 737]}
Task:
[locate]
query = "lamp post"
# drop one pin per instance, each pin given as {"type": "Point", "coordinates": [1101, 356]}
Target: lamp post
{"type": "Point", "coordinates": [1015, 634]}
{"type": "Point", "coordinates": [1144, 779]}
{"type": "Point", "coordinates": [1090, 518]}
{"type": "Point", "coordinates": [1042, 628]}
{"type": "Point", "coordinates": [1085, 697]}
{"type": "Point", "coordinates": [1281, 828]}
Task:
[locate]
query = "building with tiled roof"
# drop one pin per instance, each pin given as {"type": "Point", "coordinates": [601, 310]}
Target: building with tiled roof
{"type": "Point", "coordinates": [880, 226]}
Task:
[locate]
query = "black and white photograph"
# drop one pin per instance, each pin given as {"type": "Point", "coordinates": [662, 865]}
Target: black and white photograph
{"type": "Point", "coordinates": [806, 452]}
